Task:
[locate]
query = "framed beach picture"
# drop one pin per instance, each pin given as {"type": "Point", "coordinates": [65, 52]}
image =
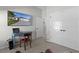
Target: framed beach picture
{"type": "Point", "coordinates": [19, 19]}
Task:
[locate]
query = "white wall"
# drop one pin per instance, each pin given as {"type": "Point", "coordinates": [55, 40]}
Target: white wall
{"type": "Point", "coordinates": [66, 18]}
{"type": "Point", "coordinates": [44, 17]}
{"type": "Point", "coordinates": [6, 31]}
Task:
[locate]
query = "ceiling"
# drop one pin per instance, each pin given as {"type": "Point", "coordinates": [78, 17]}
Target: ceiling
{"type": "Point", "coordinates": [41, 7]}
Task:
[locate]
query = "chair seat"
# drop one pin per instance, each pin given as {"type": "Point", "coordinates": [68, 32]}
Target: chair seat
{"type": "Point", "coordinates": [24, 40]}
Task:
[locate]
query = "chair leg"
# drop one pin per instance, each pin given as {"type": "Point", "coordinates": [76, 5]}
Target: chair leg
{"type": "Point", "coordinates": [25, 46]}
{"type": "Point", "coordinates": [30, 43]}
{"type": "Point", "coordinates": [27, 43]}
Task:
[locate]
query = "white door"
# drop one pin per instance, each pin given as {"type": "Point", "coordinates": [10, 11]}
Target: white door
{"type": "Point", "coordinates": [39, 27]}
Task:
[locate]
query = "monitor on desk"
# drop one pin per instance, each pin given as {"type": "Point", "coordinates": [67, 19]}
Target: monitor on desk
{"type": "Point", "coordinates": [16, 30]}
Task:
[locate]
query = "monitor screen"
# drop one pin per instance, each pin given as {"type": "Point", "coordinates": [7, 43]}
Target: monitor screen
{"type": "Point", "coordinates": [16, 30]}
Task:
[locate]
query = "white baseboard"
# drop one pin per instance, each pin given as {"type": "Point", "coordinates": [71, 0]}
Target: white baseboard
{"type": "Point", "coordinates": [3, 47]}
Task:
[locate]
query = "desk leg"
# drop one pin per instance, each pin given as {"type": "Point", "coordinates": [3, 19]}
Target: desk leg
{"type": "Point", "coordinates": [20, 43]}
{"type": "Point", "coordinates": [14, 43]}
{"type": "Point", "coordinates": [30, 40]}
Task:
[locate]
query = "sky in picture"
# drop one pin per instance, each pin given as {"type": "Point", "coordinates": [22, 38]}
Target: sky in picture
{"type": "Point", "coordinates": [22, 15]}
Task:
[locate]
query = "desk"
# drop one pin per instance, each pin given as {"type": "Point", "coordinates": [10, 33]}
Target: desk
{"type": "Point", "coordinates": [22, 33]}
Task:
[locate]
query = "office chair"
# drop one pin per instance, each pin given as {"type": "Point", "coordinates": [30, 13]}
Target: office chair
{"type": "Point", "coordinates": [26, 39]}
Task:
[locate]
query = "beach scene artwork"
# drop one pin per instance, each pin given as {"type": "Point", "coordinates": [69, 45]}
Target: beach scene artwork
{"type": "Point", "coordinates": [19, 19]}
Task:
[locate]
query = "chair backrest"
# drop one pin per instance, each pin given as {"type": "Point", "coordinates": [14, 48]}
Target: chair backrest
{"type": "Point", "coordinates": [28, 34]}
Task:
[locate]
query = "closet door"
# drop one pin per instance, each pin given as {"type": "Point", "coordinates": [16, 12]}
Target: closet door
{"type": "Point", "coordinates": [64, 28]}
{"type": "Point", "coordinates": [39, 27]}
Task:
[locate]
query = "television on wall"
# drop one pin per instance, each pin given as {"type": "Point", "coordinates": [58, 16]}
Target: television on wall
{"type": "Point", "coordinates": [19, 19]}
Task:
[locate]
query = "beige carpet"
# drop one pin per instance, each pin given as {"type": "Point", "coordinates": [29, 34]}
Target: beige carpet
{"type": "Point", "coordinates": [40, 45]}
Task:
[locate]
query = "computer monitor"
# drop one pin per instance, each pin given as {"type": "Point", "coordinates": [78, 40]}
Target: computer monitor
{"type": "Point", "coordinates": [16, 30]}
